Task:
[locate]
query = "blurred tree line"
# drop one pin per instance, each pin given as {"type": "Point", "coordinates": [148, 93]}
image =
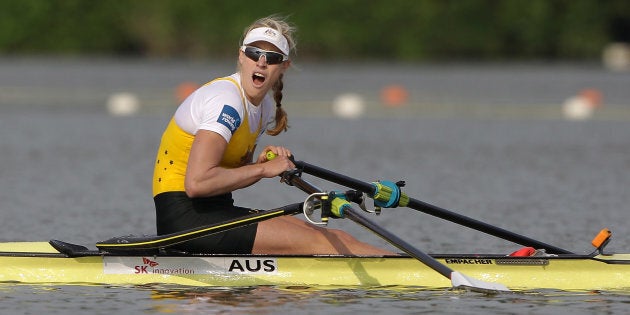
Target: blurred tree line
{"type": "Point", "coordinates": [341, 29]}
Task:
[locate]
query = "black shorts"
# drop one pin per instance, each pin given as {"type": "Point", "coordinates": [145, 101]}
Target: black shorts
{"type": "Point", "coordinates": [177, 212]}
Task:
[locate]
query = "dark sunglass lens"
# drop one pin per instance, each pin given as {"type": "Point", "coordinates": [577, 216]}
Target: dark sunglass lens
{"type": "Point", "coordinates": [252, 53]}
{"type": "Point", "coordinates": [273, 58]}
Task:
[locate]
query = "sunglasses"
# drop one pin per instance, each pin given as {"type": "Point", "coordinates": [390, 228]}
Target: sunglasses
{"type": "Point", "coordinates": [272, 57]}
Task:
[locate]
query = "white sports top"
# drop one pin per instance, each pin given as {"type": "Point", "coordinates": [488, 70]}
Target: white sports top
{"type": "Point", "coordinates": [218, 106]}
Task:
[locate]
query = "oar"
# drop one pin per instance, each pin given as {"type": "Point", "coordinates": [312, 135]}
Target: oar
{"type": "Point", "coordinates": [135, 243]}
{"type": "Point", "coordinates": [457, 278]}
{"type": "Point", "coordinates": [370, 189]}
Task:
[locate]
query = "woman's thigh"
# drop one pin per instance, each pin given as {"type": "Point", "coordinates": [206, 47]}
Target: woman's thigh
{"type": "Point", "coordinates": [290, 235]}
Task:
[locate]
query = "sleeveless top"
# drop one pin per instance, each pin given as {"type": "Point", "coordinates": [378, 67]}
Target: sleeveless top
{"type": "Point", "coordinates": [172, 156]}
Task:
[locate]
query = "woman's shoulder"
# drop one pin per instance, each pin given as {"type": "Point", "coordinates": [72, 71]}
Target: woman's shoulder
{"type": "Point", "coordinates": [223, 84]}
{"type": "Point", "coordinates": [220, 90]}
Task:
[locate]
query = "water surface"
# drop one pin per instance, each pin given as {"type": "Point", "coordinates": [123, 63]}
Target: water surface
{"type": "Point", "coordinates": [73, 172]}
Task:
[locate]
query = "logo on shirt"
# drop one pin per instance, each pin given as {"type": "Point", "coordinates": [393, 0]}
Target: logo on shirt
{"type": "Point", "coordinates": [229, 118]}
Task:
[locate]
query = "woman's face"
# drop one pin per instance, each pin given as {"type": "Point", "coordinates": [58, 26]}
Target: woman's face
{"type": "Point", "coordinates": [258, 77]}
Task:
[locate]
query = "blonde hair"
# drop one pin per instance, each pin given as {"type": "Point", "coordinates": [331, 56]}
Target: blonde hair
{"type": "Point", "coordinates": [281, 25]}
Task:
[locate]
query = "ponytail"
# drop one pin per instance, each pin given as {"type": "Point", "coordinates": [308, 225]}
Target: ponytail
{"type": "Point", "coordinates": [281, 116]}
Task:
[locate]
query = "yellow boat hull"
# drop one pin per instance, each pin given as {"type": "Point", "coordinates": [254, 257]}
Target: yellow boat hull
{"type": "Point", "coordinates": [40, 263]}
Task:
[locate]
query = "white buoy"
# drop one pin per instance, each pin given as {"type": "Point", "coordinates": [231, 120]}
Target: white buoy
{"type": "Point", "coordinates": [577, 108]}
{"type": "Point", "coordinates": [582, 106]}
{"type": "Point", "coordinates": [123, 104]}
{"type": "Point", "coordinates": [349, 106]}
{"type": "Point", "coordinates": [616, 57]}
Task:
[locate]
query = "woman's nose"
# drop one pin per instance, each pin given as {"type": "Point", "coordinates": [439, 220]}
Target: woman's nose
{"type": "Point", "coordinates": [262, 60]}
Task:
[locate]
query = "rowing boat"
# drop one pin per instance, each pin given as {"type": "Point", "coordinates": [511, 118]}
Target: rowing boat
{"type": "Point", "coordinates": [42, 263]}
{"type": "Point", "coordinates": [143, 260]}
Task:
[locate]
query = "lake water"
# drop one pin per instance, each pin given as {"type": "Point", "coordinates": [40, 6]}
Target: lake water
{"type": "Point", "coordinates": [488, 142]}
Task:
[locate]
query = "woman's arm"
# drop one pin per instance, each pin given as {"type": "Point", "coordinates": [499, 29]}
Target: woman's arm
{"type": "Point", "coordinates": [204, 176]}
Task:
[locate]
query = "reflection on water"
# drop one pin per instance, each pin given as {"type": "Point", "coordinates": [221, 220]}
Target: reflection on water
{"type": "Point", "coordinates": [246, 300]}
{"type": "Point", "coordinates": [394, 300]}
{"type": "Point", "coordinates": [157, 299]}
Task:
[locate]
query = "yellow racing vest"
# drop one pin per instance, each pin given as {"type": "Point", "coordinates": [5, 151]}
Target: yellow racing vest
{"type": "Point", "coordinates": [172, 156]}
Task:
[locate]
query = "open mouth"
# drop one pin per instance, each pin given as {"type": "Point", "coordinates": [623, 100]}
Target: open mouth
{"type": "Point", "coordinates": [258, 78]}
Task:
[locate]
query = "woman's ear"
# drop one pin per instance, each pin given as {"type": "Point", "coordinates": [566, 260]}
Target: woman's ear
{"type": "Point", "coordinates": [286, 65]}
{"type": "Point", "coordinates": [241, 55]}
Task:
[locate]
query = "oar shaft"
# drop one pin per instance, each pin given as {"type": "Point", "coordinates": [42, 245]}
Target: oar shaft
{"type": "Point", "coordinates": [481, 226]}
{"type": "Point", "coordinates": [430, 209]}
{"type": "Point", "coordinates": [457, 279]}
{"type": "Point", "coordinates": [399, 243]}
{"type": "Point", "coordinates": [335, 177]}
{"type": "Point", "coordinates": [384, 234]}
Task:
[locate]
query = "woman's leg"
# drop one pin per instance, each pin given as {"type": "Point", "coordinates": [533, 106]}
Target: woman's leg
{"type": "Point", "coordinates": [290, 235]}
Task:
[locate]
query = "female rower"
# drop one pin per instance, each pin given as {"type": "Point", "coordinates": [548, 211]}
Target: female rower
{"type": "Point", "coordinates": [207, 151]}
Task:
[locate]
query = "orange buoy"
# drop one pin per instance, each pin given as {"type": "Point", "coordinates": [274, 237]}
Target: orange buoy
{"type": "Point", "coordinates": [394, 95]}
{"type": "Point", "coordinates": [184, 90]}
{"type": "Point", "coordinates": [593, 96]}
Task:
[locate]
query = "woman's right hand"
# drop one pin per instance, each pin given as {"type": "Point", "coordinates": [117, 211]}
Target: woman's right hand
{"type": "Point", "coordinates": [279, 162]}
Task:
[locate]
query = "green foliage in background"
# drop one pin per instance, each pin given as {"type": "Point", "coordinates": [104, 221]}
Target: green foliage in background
{"type": "Point", "coordinates": [341, 29]}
